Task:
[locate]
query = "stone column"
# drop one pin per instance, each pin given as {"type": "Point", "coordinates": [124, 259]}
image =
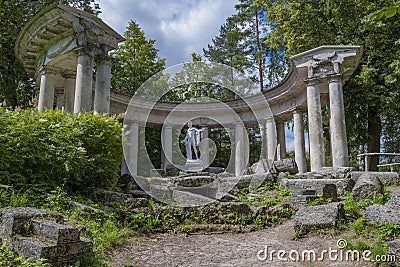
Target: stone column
{"type": "Point", "coordinates": [317, 151]}
{"type": "Point", "coordinates": [337, 124]}
{"type": "Point", "coordinates": [69, 91]}
{"type": "Point", "coordinates": [281, 149]}
{"type": "Point", "coordinates": [60, 98]}
{"type": "Point", "coordinates": [133, 148]}
{"type": "Point", "coordinates": [263, 140]}
{"type": "Point", "coordinates": [124, 167]}
{"type": "Point", "coordinates": [47, 86]}
{"type": "Point", "coordinates": [205, 148]}
{"type": "Point", "coordinates": [167, 145]}
{"type": "Point", "coordinates": [102, 89]}
{"type": "Point", "coordinates": [239, 149]}
{"type": "Point", "coordinates": [83, 88]}
{"type": "Point", "coordinates": [299, 142]}
{"type": "Point", "coordinates": [271, 139]}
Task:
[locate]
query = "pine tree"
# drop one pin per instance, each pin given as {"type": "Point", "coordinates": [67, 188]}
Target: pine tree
{"type": "Point", "coordinates": [136, 60]}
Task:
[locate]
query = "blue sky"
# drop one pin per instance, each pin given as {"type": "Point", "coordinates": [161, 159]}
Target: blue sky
{"type": "Point", "coordinates": [180, 27]}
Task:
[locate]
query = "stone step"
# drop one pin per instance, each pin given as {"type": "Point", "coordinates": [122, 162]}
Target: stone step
{"type": "Point", "coordinates": [342, 185]}
{"type": "Point", "coordinates": [318, 217]}
{"type": "Point", "coordinates": [193, 181]}
{"type": "Point", "coordinates": [188, 199]}
{"type": "Point", "coordinates": [35, 248]}
{"type": "Point", "coordinates": [61, 233]}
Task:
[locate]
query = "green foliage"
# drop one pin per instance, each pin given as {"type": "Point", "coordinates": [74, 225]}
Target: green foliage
{"type": "Point", "coordinates": [385, 12]}
{"type": "Point", "coordinates": [389, 231]}
{"type": "Point", "coordinates": [49, 149]}
{"type": "Point", "coordinates": [136, 60]}
{"type": "Point", "coordinates": [319, 201]}
{"type": "Point", "coordinates": [371, 95]}
{"type": "Point", "coordinates": [20, 198]}
{"type": "Point", "coordinates": [10, 258]}
{"type": "Point", "coordinates": [269, 194]}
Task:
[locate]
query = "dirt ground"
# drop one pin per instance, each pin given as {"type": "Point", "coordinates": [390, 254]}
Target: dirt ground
{"type": "Point", "coordinates": [232, 249]}
{"type": "Point", "coordinates": [229, 249]}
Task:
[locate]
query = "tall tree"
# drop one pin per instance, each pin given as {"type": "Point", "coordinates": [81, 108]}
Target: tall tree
{"type": "Point", "coordinates": [240, 44]}
{"type": "Point", "coordinates": [304, 24]}
{"type": "Point", "coordinates": [16, 88]}
{"type": "Point", "coordinates": [136, 60]}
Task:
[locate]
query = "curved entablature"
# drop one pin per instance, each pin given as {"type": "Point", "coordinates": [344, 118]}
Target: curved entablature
{"type": "Point", "coordinates": [317, 64]}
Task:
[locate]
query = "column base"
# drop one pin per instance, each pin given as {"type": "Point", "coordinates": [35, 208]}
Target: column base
{"type": "Point", "coordinates": [194, 165]}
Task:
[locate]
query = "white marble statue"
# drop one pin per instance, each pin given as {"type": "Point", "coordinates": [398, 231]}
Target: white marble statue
{"type": "Point", "coordinates": [192, 139]}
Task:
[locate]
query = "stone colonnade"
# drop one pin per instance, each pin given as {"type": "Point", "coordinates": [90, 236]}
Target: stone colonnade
{"type": "Point", "coordinates": [273, 131]}
{"type": "Point", "coordinates": [75, 94]}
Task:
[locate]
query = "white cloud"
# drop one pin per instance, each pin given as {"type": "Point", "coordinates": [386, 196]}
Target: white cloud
{"type": "Point", "coordinates": [179, 27]}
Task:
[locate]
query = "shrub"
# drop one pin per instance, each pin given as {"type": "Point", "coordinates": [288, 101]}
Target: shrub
{"type": "Point", "coordinates": [52, 148]}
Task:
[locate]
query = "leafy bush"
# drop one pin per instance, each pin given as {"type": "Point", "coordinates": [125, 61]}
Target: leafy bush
{"type": "Point", "coordinates": [49, 149]}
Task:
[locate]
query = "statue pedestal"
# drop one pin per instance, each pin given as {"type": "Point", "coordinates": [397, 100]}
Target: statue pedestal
{"type": "Point", "coordinates": [194, 165]}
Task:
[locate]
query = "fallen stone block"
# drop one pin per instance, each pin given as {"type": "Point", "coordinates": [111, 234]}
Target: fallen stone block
{"type": "Point", "coordinates": [286, 165]}
{"type": "Point", "coordinates": [342, 185]}
{"type": "Point", "coordinates": [330, 191]}
{"type": "Point", "coordinates": [367, 186]}
{"type": "Point", "coordinates": [226, 197]}
{"type": "Point", "coordinates": [394, 249]}
{"type": "Point", "coordinates": [337, 172]}
{"type": "Point", "coordinates": [318, 217]}
{"type": "Point", "coordinates": [383, 176]}
{"type": "Point", "coordinates": [390, 212]}
{"type": "Point", "coordinates": [193, 181]}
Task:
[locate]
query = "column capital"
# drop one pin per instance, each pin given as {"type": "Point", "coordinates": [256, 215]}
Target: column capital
{"type": "Point", "coordinates": [59, 90]}
{"type": "Point", "coordinates": [312, 81]}
{"type": "Point", "coordinates": [323, 65]}
{"type": "Point", "coordinates": [103, 59]}
{"type": "Point", "coordinates": [167, 126]}
{"type": "Point", "coordinates": [85, 50]}
{"type": "Point", "coordinates": [335, 78]}
{"type": "Point", "coordinates": [69, 74]}
{"type": "Point", "coordinates": [46, 69]}
{"type": "Point", "coordinates": [298, 110]}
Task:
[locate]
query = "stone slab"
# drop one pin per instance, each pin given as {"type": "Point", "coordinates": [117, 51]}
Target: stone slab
{"type": "Point", "coordinates": [342, 185]}
{"type": "Point", "coordinates": [188, 199]}
{"type": "Point", "coordinates": [58, 232]}
{"type": "Point", "coordinates": [318, 217]}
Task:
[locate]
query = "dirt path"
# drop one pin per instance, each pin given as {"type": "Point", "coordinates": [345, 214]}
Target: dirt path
{"type": "Point", "coordinates": [226, 249]}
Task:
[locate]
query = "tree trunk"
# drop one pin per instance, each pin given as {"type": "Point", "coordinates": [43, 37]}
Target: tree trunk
{"type": "Point", "coordinates": [374, 137]}
{"type": "Point", "coordinates": [259, 59]}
